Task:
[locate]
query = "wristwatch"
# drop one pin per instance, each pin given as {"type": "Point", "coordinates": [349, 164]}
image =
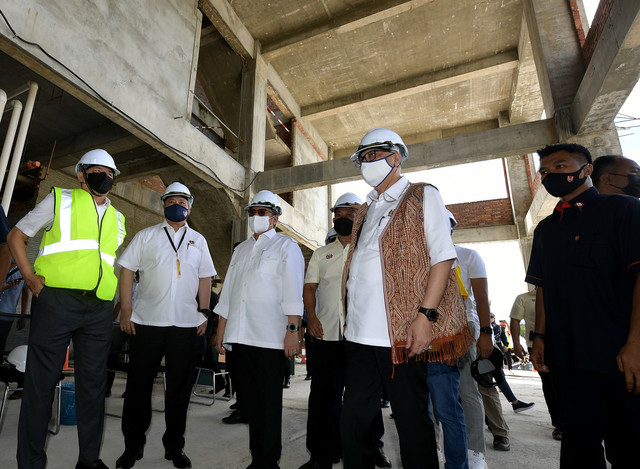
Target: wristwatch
{"type": "Point", "coordinates": [293, 327]}
{"type": "Point", "coordinates": [535, 335]}
{"type": "Point", "coordinates": [487, 330]}
{"type": "Point", "coordinates": [431, 313]}
{"type": "Point", "coordinates": [206, 311]}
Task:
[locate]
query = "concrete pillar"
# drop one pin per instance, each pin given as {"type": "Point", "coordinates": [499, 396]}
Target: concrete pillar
{"type": "Point", "coordinates": [519, 190]}
{"type": "Point", "coordinates": [557, 53]}
{"type": "Point", "coordinates": [251, 151]}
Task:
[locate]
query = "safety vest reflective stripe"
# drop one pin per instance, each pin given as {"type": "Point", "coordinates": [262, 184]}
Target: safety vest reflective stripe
{"type": "Point", "coordinates": [121, 232]}
{"type": "Point", "coordinates": [66, 246]}
{"type": "Point", "coordinates": [111, 260]}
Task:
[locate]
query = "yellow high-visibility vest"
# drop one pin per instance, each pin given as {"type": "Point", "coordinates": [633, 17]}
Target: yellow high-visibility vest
{"type": "Point", "coordinates": [79, 251]}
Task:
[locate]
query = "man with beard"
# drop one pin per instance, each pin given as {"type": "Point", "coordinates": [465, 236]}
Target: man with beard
{"type": "Point", "coordinates": [585, 261]}
{"type": "Point", "coordinates": [325, 312]}
{"type": "Point", "coordinates": [73, 287]}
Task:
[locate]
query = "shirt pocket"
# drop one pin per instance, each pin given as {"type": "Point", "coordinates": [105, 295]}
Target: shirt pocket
{"type": "Point", "coordinates": [268, 263]}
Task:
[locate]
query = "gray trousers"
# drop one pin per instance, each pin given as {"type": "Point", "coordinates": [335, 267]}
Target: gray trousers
{"type": "Point", "coordinates": [57, 316]}
{"type": "Point", "coordinates": [471, 400]}
{"type": "Point", "coordinates": [493, 408]}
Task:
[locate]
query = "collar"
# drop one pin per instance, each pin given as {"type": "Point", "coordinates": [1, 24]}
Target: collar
{"type": "Point", "coordinates": [269, 234]}
{"type": "Point", "coordinates": [166, 223]}
{"type": "Point", "coordinates": [392, 194]}
{"type": "Point", "coordinates": [579, 202]}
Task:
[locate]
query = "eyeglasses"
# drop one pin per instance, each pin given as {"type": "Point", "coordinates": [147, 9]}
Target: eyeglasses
{"type": "Point", "coordinates": [374, 154]}
{"type": "Point", "coordinates": [261, 212]}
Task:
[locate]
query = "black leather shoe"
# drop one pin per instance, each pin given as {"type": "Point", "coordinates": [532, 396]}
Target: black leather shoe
{"type": "Point", "coordinates": [128, 459]}
{"type": "Point", "coordinates": [96, 465]}
{"type": "Point", "coordinates": [314, 464]}
{"type": "Point", "coordinates": [180, 460]}
{"type": "Point", "coordinates": [381, 459]}
{"type": "Point", "coordinates": [501, 443]}
{"type": "Point", "coordinates": [235, 417]}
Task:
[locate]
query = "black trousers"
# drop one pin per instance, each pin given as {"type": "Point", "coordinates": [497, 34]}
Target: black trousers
{"type": "Point", "coordinates": [259, 373]}
{"type": "Point", "coordinates": [597, 407]}
{"type": "Point", "coordinates": [325, 403]}
{"type": "Point", "coordinates": [58, 316]}
{"type": "Point", "coordinates": [148, 346]}
{"type": "Point", "coordinates": [369, 371]}
{"type": "Point", "coordinates": [551, 399]}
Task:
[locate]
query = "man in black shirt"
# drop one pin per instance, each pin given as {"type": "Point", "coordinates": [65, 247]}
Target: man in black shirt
{"type": "Point", "coordinates": [585, 261]}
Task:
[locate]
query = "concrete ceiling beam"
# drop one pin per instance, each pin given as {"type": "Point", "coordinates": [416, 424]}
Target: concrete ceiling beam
{"type": "Point", "coordinates": [489, 144]}
{"type": "Point", "coordinates": [230, 26]}
{"type": "Point", "coordinates": [476, 69]}
{"type": "Point", "coordinates": [556, 50]}
{"type": "Point", "coordinates": [612, 72]}
{"type": "Point", "coordinates": [354, 19]}
{"type": "Point", "coordinates": [485, 233]}
{"type": "Point", "coordinates": [111, 137]}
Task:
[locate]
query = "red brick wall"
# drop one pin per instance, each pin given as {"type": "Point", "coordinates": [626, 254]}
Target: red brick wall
{"type": "Point", "coordinates": [483, 213]}
{"type": "Point", "coordinates": [599, 21]}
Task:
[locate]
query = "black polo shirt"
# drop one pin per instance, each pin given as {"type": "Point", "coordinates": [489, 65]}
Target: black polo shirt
{"type": "Point", "coordinates": [586, 255]}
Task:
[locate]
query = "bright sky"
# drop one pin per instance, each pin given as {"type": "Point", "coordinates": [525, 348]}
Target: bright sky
{"type": "Point", "coordinates": [485, 181]}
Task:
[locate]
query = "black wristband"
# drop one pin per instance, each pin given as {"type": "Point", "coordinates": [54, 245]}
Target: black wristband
{"type": "Point", "coordinates": [535, 335]}
{"type": "Point", "coordinates": [486, 330]}
{"type": "Point", "coordinates": [206, 311]}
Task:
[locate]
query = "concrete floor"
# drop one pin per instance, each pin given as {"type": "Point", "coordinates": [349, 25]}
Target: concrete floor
{"type": "Point", "coordinates": [212, 444]}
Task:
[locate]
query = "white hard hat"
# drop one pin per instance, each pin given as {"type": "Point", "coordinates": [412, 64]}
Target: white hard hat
{"type": "Point", "coordinates": [18, 357]}
{"type": "Point", "coordinates": [265, 199]}
{"type": "Point", "coordinates": [452, 219]}
{"type": "Point", "coordinates": [345, 199]}
{"type": "Point", "coordinates": [177, 188]}
{"type": "Point", "coordinates": [97, 157]}
{"type": "Point", "coordinates": [380, 137]}
{"type": "Point", "coordinates": [331, 236]}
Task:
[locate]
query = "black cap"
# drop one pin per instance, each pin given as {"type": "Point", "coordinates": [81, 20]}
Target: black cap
{"type": "Point", "coordinates": [488, 371]}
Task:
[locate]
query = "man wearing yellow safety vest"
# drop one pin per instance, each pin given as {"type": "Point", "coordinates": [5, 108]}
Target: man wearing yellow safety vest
{"type": "Point", "coordinates": [73, 287]}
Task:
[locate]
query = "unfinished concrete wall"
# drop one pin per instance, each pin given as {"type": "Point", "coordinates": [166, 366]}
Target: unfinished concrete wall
{"type": "Point", "coordinates": [139, 56]}
{"type": "Point", "coordinates": [311, 205]}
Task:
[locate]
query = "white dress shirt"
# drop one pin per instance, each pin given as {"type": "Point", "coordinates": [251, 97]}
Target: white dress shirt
{"type": "Point", "coordinates": [366, 313]}
{"type": "Point", "coordinates": [325, 269]}
{"type": "Point", "coordinates": [262, 287]}
{"type": "Point", "coordinates": [166, 296]}
{"type": "Point", "coordinates": [471, 266]}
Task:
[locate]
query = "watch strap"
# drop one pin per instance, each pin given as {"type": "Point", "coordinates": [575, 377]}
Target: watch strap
{"type": "Point", "coordinates": [487, 330]}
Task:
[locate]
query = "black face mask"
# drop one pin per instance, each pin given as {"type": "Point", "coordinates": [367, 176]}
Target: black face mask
{"type": "Point", "coordinates": [100, 183]}
{"type": "Point", "coordinates": [561, 184]}
{"type": "Point", "coordinates": [633, 188]}
{"type": "Point", "coordinates": [343, 226]}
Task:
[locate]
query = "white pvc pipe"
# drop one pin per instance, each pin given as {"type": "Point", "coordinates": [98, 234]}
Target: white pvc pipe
{"type": "Point", "coordinates": [3, 101]}
{"type": "Point", "coordinates": [9, 138]}
{"type": "Point", "coordinates": [17, 151]}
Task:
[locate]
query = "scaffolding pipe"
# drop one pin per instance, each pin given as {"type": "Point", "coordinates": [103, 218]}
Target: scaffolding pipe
{"type": "Point", "coordinates": [3, 101]}
{"type": "Point", "coordinates": [19, 147]}
{"type": "Point", "coordinates": [10, 137]}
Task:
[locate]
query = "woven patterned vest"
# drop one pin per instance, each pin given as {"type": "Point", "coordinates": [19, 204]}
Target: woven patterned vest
{"type": "Point", "coordinates": [406, 267]}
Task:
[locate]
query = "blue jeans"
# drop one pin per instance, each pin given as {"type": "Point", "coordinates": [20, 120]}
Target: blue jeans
{"type": "Point", "coordinates": [443, 381]}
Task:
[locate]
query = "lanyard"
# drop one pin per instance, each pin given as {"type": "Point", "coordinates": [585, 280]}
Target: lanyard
{"type": "Point", "coordinates": [174, 246]}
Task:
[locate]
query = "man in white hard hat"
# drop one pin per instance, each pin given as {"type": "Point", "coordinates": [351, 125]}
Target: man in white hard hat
{"type": "Point", "coordinates": [260, 307]}
{"type": "Point", "coordinates": [74, 284]}
{"type": "Point", "coordinates": [325, 313]}
{"type": "Point", "coordinates": [175, 265]}
{"type": "Point", "coordinates": [401, 297]}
